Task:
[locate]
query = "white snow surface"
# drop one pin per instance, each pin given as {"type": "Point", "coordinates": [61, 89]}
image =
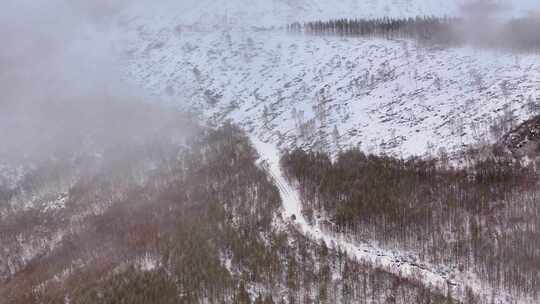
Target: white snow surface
{"type": "Point", "coordinates": [147, 262]}
{"type": "Point", "coordinates": [275, 13]}
{"type": "Point", "coordinates": [333, 93]}
{"type": "Point", "coordinates": [58, 203]}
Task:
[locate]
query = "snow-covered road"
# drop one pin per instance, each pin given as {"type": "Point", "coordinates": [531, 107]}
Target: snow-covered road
{"type": "Point", "coordinates": [458, 284]}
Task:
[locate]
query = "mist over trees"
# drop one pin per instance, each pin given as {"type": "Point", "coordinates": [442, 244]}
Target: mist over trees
{"type": "Point", "coordinates": [189, 222]}
{"type": "Point", "coordinates": [438, 30]}
{"type": "Point", "coordinates": [519, 34]}
{"type": "Point", "coordinates": [105, 198]}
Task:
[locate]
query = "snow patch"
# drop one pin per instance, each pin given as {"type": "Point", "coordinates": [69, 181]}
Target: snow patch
{"type": "Point", "coordinates": [147, 262]}
{"type": "Point", "coordinates": [59, 203]}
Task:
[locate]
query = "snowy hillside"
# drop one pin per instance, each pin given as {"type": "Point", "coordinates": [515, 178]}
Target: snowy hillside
{"type": "Point", "coordinates": [279, 12]}
{"type": "Point", "coordinates": [331, 92]}
{"type": "Point", "coordinates": [268, 13]}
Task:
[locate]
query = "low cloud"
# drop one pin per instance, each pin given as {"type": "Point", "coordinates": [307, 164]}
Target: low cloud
{"type": "Point", "coordinates": [60, 78]}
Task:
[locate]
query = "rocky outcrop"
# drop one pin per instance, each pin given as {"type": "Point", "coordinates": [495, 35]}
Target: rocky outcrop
{"type": "Point", "coordinates": [524, 140]}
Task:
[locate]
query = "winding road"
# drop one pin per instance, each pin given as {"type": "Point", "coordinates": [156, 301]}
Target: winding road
{"type": "Point", "coordinates": [456, 283]}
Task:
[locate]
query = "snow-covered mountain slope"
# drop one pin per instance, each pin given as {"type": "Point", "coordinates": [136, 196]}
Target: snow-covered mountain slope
{"type": "Point", "coordinates": [331, 92]}
{"type": "Point", "coordinates": [270, 13]}
{"type": "Point", "coordinates": [267, 13]}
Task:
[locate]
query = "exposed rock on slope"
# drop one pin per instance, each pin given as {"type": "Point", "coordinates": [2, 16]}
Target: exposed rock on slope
{"type": "Point", "coordinates": [525, 139]}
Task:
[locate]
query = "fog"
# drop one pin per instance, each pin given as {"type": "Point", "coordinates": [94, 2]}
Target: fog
{"type": "Point", "coordinates": [488, 23]}
{"type": "Point", "coordinates": [60, 79]}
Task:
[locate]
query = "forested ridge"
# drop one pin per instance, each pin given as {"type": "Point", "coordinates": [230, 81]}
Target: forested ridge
{"type": "Point", "coordinates": [201, 226]}
{"type": "Point", "coordinates": [518, 34]}
{"type": "Point", "coordinates": [482, 218]}
{"type": "Point", "coordinates": [422, 28]}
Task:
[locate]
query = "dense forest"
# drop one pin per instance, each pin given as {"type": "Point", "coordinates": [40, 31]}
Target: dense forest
{"type": "Point", "coordinates": [516, 35]}
{"type": "Point", "coordinates": [482, 218]}
{"type": "Point", "coordinates": [195, 221]}
{"type": "Point", "coordinates": [422, 28]}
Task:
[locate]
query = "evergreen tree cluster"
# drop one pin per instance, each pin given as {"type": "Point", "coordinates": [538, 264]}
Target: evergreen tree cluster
{"type": "Point", "coordinates": [434, 29]}
{"type": "Point", "coordinates": [519, 34]}
{"type": "Point", "coordinates": [482, 218]}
